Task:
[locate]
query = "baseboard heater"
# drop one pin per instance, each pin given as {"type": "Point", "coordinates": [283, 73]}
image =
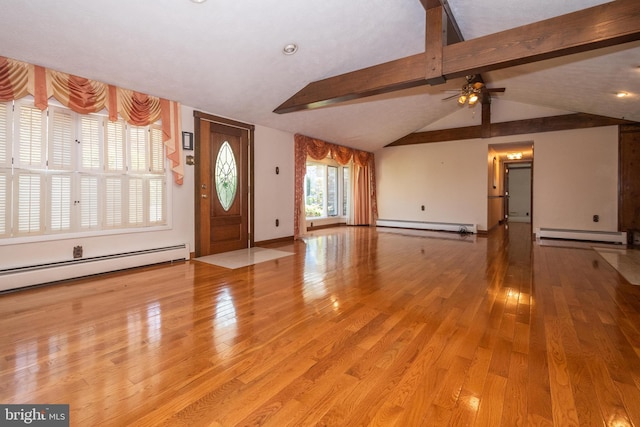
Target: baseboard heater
{"type": "Point", "coordinates": [20, 277]}
{"type": "Point", "coordinates": [593, 236]}
{"type": "Point", "coordinates": [423, 225]}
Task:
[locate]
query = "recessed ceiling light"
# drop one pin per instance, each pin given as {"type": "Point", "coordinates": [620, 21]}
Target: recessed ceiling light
{"type": "Point", "coordinates": [290, 49]}
{"type": "Point", "coordinates": [621, 94]}
{"type": "Point", "coordinates": [198, 1]}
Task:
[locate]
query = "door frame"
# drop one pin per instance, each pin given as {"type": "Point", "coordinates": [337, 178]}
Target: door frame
{"type": "Point", "coordinates": [199, 116]}
{"type": "Point", "coordinates": [505, 168]}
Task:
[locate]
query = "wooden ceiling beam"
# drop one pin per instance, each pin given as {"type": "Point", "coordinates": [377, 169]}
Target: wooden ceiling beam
{"type": "Point", "coordinates": [435, 39]}
{"type": "Point", "coordinates": [453, 33]}
{"type": "Point", "coordinates": [600, 26]}
{"type": "Point", "coordinates": [593, 28]}
{"type": "Point", "coordinates": [516, 127]}
{"type": "Point", "coordinates": [395, 75]}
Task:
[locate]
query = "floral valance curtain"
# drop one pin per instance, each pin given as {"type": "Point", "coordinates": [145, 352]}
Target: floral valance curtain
{"type": "Point", "coordinates": [364, 208]}
{"type": "Point", "coordinates": [19, 79]}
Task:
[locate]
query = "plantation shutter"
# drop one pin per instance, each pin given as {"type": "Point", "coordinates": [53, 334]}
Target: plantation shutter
{"type": "Point", "coordinates": [89, 214]}
{"type": "Point", "coordinates": [114, 193]}
{"type": "Point", "coordinates": [60, 203]}
{"type": "Point", "coordinates": [115, 146]}
{"type": "Point", "coordinates": [136, 201]}
{"type": "Point", "coordinates": [5, 137]}
{"type": "Point", "coordinates": [5, 162]}
{"type": "Point", "coordinates": [138, 149]}
{"type": "Point", "coordinates": [4, 202]}
{"type": "Point", "coordinates": [157, 150]}
{"type": "Point", "coordinates": [90, 142]}
{"type": "Point", "coordinates": [30, 133]}
{"type": "Point", "coordinates": [61, 139]}
{"type": "Point", "coordinates": [156, 199]}
{"type": "Point", "coordinates": [29, 203]}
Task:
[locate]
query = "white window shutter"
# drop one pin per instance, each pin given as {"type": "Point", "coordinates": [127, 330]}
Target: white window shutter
{"type": "Point", "coordinates": [138, 151]}
{"type": "Point", "coordinates": [136, 201]}
{"type": "Point", "coordinates": [156, 200]}
{"type": "Point", "coordinates": [63, 172]}
{"type": "Point", "coordinates": [61, 139]}
{"type": "Point", "coordinates": [115, 146]}
{"type": "Point", "coordinates": [5, 197]}
{"type": "Point", "coordinates": [60, 202]}
{"type": "Point", "coordinates": [89, 209]}
{"type": "Point", "coordinates": [90, 141]}
{"type": "Point", "coordinates": [113, 205]}
{"type": "Point", "coordinates": [157, 150]}
{"type": "Point", "coordinates": [5, 134]}
{"type": "Point", "coordinates": [28, 209]}
{"type": "Point", "coordinates": [30, 136]}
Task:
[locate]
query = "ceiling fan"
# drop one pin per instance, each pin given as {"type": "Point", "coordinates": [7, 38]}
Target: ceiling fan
{"type": "Point", "coordinates": [473, 91]}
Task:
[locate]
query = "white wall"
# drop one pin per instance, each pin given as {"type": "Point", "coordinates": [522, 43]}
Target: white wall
{"type": "Point", "coordinates": [575, 177]}
{"type": "Point", "coordinates": [274, 194]}
{"type": "Point", "coordinates": [448, 178]}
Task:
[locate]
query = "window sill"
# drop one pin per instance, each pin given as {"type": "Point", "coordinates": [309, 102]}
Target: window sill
{"type": "Point", "coordinates": [81, 235]}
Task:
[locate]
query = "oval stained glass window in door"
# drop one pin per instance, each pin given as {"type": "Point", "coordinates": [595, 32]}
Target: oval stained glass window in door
{"type": "Point", "coordinates": [226, 176]}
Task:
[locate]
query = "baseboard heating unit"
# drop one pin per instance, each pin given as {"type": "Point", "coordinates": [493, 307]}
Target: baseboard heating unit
{"type": "Point", "coordinates": [20, 277]}
{"type": "Point", "coordinates": [423, 225]}
{"type": "Point", "coordinates": [593, 236]}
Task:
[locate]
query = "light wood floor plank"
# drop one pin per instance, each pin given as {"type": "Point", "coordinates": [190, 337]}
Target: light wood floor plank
{"type": "Point", "coordinates": [360, 326]}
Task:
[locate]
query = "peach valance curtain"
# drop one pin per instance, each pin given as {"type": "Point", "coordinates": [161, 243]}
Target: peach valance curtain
{"type": "Point", "coordinates": [363, 210]}
{"type": "Point", "coordinates": [19, 79]}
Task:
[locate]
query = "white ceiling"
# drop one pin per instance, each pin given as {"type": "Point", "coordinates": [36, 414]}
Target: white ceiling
{"type": "Point", "coordinates": [225, 57]}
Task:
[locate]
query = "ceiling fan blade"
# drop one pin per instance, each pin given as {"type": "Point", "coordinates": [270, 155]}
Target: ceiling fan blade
{"type": "Point", "coordinates": [451, 97]}
{"type": "Point", "coordinates": [496, 89]}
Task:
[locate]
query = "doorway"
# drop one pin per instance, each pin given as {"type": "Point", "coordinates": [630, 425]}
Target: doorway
{"type": "Point", "coordinates": [510, 198]}
{"type": "Point", "coordinates": [517, 178]}
{"type": "Point", "coordinates": [223, 183]}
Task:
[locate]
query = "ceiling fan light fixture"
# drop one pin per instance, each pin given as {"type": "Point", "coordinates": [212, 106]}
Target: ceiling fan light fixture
{"type": "Point", "coordinates": [462, 99]}
{"type": "Point", "coordinates": [473, 98]}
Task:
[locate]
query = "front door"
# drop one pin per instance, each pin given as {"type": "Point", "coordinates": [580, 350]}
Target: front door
{"type": "Point", "coordinates": [222, 185]}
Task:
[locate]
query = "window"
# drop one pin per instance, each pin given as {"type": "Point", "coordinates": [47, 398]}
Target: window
{"type": "Point", "coordinates": [326, 189]}
{"type": "Point", "coordinates": [63, 172]}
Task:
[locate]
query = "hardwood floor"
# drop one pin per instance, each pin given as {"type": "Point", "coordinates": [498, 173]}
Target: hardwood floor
{"type": "Point", "coordinates": [359, 327]}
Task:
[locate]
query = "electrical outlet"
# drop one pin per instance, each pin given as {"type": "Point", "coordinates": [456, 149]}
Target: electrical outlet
{"type": "Point", "coordinates": [277, 223]}
{"type": "Point", "coordinates": [77, 251]}
{"type": "Point", "coordinates": [596, 218]}
{"type": "Point", "coordinates": [422, 207]}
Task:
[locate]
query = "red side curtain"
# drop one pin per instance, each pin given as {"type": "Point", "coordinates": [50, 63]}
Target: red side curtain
{"type": "Point", "coordinates": [364, 208]}
{"type": "Point", "coordinates": [171, 125]}
{"type": "Point", "coordinates": [300, 171]}
{"type": "Point", "coordinates": [18, 79]}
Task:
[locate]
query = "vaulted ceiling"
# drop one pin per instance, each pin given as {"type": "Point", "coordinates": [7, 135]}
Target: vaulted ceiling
{"type": "Point", "coordinates": [225, 57]}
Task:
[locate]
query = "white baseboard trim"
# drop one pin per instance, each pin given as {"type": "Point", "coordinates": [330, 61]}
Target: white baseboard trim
{"type": "Point", "coordinates": [424, 225]}
{"type": "Point", "coordinates": [587, 235]}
